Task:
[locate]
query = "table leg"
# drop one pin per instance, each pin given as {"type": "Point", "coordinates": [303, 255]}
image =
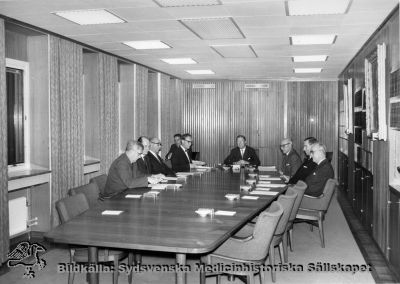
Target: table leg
{"type": "Point", "coordinates": [181, 275]}
{"type": "Point", "coordinates": [93, 256]}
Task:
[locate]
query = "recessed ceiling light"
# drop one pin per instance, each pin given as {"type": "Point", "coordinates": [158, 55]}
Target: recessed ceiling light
{"type": "Point", "coordinates": [90, 17]}
{"type": "Point", "coordinates": [307, 70]}
{"type": "Point", "coordinates": [316, 7]}
{"type": "Point", "coordinates": [146, 44]}
{"type": "Point", "coordinates": [309, 58]}
{"type": "Point", "coordinates": [179, 61]}
{"type": "Point", "coordinates": [201, 72]}
{"type": "Point", "coordinates": [312, 39]}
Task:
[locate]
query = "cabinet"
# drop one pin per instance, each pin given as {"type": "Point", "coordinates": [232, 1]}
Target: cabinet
{"type": "Point", "coordinates": [394, 229]}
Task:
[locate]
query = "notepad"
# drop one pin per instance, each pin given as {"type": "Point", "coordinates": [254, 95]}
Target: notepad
{"type": "Point", "coordinates": [276, 185]}
{"type": "Point", "coordinates": [225, 213]}
{"type": "Point", "coordinates": [262, 188]}
{"type": "Point", "coordinates": [232, 196]}
{"type": "Point", "coordinates": [204, 211]}
{"type": "Point", "coordinates": [272, 178]}
{"type": "Point", "coordinates": [250, 197]}
{"type": "Point", "coordinates": [264, 181]}
{"type": "Point", "coordinates": [267, 168]}
{"type": "Point", "coordinates": [263, 192]}
{"type": "Point", "coordinates": [170, 178]}
{"type": "Point", "coordinates": [133, 196]}
{"type": "Point", "coordinates": [111, 212]}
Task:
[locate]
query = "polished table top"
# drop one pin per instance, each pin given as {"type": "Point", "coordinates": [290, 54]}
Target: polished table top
{"type": "Point", "coordinates": [167, 223]}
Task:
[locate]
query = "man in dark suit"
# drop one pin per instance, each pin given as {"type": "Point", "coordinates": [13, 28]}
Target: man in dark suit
{"type": "Point", "coordinates": [242, 154]}
{"type": "Point", "coordinates": [124, 173]}
{"type": "Point", "coordinates": [178, 142]}
{"type": "Point", "coordinates": [291, 161]}
{"type": "Point", "coordinates": [181, 160]}
{"type": "Point", "coordinates": [308, 165]}
{"type": "Point", "coordinates": [143, 162]}
{"type": "Point", "coordinates": [317, 179]}
{"type": "Point", "coordinates": [157, 165]}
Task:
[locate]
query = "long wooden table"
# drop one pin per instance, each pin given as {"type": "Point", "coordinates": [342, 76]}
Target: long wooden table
{"type": "Point", "coordinates": [167, 223]}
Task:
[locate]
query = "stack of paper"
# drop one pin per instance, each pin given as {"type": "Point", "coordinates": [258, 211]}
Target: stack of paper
{"type": "Point", "coordinates": [232, 196]}
{"type": "Point", "coordinates": [111, 212]}
{"type": "Point", "coordinates": [225, 213]}
{"type": "Point", "coordinates": [133, 196]}
{"type": "Point", "coordinates": [170, 178]}
{"type": "Point", "coordinates": [264, 181]}
{"type": "Point", "coordinates": [151, 193]}
{"type": "Point", "coordinates": [247, 197]}
{"type": "Point", "coordinates": [262, 188]}
{"type": "Point", "coordinates": [277, 185]}
{"type": "Point", "coordinates": [267, 168]}
{"type": "Point", "coordinates": [272, 178]}
{"type": "Point", "coordinates": [262, 192]}
{"type": "Point", "coordinates": [204, 211]}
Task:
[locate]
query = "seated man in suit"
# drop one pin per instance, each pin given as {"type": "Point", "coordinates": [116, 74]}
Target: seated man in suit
{"type": "Point", "coordinates": [143, 163]}
{"type": "Point", "coordinates": [124, 173]}
{"type": "Point", "coordinates": [181, 160]}
{"type": "Point", "coordinates": [242, 154]}
{"type": "Point", "coordinates": [317, 179]}
{"type": "Point", "coordinates": [308, 164]}
{"type": "Point", "coordinates": [291, 161]}
{"type": "Point", "coordinates": [178, 142]}
{"type": "Point", "coordinates": [157, 165]}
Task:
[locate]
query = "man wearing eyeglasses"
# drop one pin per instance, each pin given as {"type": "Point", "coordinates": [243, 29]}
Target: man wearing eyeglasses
{"type": "Point", "coordinates": [317, 179]}
{"type": "Point", "coordinates": [157, 165]}
{"type": "Point", "coordinates": [291, 161]}
{"type": "Point", "coordinates": [242, 154]}
{"type": "Point", "coordinates": [181, 160]}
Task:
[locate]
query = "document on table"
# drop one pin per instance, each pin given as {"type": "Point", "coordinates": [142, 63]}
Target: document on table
{"type": "Point", "coordinates": [267, 168]}
{"type": "Point", "coordinates": [111, 212]}
{"type": "Point", "coordinates": [133, 196]}
{"type": "Point", "coordinates": [276, 185]}
{"type": "Point", "coordinates": [262, 188]}
{"type": "Point", "coordinates": [232, 196]}
{"type": "Point", "coordinates": [170, 178]}
{"type": "Point", "coordinates": [158, 186]}
{"type": "Point", "coordinates": [151, 193]}
{"type": "Point", "coordinates": [264, 181]}
{"type": "Point", "coordinates": [225, 213]}
{"type": "Point", "coordinates": [263, 192]}
{"type": "Point", "coordinates": [250, 197]}
{"type": "Point", "coordinates": [272, 178]}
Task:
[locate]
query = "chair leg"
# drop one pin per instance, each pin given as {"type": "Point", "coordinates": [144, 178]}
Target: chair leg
{"type": "Point", "coordinates": [250, 279]}
{"type": "Point", "coordinates": [291, 239]}
{"type": "Point", "coordinates": [285, 246]}
{"type": "Point", "coordinates": [272, 261]}
{"type": "Point", "coordinates": [131, 257]}
{"type": "Point", "coordinates": [115, 273]}
{"type": "Point", "coordinates": [202, 277]}
{"type": "Point", "coordinates": [218, 278]}
{"type": "Point", "coordinates": [262, 277]}
{"type": "Point", "coordinates": [71, 274]}
{"type": "Point", "coordinates": [281, 253]}
{"type": "Point", "coordinates": [321, 229]}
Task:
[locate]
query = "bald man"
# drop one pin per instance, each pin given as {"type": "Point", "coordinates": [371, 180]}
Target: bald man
{"type": "Point", "coordinates": [157, 164]}
{"type": "Point", "coordinates": [291, 161]}
{"type": "Point", "coordinates": [143, 162]}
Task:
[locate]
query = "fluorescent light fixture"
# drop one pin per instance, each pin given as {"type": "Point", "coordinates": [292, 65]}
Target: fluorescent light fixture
{"type": "Point", "coordinates": [201, 72]}
{"type": "Point", "coordinates": [312, 39]}
{"type": "Point", "coordinates": [310, 58]}
{"type": "Point", "coordinates": [146, 44]}
{"type": "Point", "coordinates": [179, 60]}
{"type": "Point", "coordinates": [307, 70]}
{"type": "Point", "coordinates": [316, 7]}
{"type": "Point", "coordinates": [90, 17]}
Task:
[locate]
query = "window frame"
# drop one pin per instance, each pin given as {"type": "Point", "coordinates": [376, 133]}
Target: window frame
{"type": "Point", "coordinates": [24, 66]}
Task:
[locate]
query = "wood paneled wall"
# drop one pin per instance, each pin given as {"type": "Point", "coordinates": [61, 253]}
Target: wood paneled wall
{"type": "Point", "coordinates": [16, 46]}
{"type": "Point", "coordinates": [216, 116]}
{"type": "Point", "coordinates": [152, 105]}
{"type": "Point", "coordinates": [383, 151]}
{"type": "Point", "coordinates": [141, 81]}
{"type": "Point", "coordinates": [312, 111]}
{"type": "Point", "coordinates": [126, 104]}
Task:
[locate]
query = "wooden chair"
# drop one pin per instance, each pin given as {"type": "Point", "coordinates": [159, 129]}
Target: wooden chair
{"type": "Point", "coordinates": [300, 187]}
{"type": "Point", "coordinates": [313, 209]}
{"type": "Point", "coordinates": [100, 181]}
{"type": "Point", "coordinates": [72, 206]}
{"type": "Point", "coordinates": [91, 191]}
{"type": "Point", "coordinates": [250, 250]}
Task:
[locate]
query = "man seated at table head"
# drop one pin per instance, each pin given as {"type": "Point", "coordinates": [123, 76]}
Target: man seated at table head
{"type": "Point", "coordinates": [242, 154]}
{"type": "Point", "coordinates": [291, 161]}
{"type": "Point", "coordinates": [143, 163]}
{"type": "Point", "coordinates": [123, 172]}
{"type": "Point", "coordinates": [323, 171]}
{"type": "Point", "coordinates": [308, 164]}
{"type": "Point", "coordinates": [157, 165]}
{"type": "Point", "coordinates": [181, 160]}
{"type": "Point", "coordinates": [178, 142]}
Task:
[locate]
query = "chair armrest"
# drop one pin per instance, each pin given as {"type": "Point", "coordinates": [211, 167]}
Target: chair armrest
{"type": "Point", "coordinates": [313, 197]}
{"type": "Point", "coordinates": [242, 239]}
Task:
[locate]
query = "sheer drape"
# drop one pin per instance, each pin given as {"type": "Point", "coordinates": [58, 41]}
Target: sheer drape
{"type": "Point", "coordinates": [4, 234]}
{"type": "Point", "coordinates": [66, 108]}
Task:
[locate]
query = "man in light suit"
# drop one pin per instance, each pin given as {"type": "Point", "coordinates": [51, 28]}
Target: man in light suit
{"type": "Point", "coordinates": [291, 161]}
{"type": "Point", "coordinates": [157, 165]}
{"type": "Point", "coordinates": [181, 160]}
{"type": "Point", "coordinates": [242, 154]}
{"type": "Point", "coordinates": [317, 179]}
{"type": "Point", "coordinates": [124, 173]}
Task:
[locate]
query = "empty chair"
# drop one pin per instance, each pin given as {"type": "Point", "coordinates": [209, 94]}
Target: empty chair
{"type": "Point", "coordinates": [72, 206]}
{"type": "Point", "coordinates": [313, 209]}
{"type": "Point", "coordinates": [100, 181]}
{"type": "Point", "coordinates": [250, 250]}
{"type": "Point", "coordinates": [299, 188]}
{"type": "Point", "coordinates": [91, 191]}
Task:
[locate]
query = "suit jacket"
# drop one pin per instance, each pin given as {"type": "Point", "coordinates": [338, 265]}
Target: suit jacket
{"type": "Point", "coordinates": [143, 165]}
{"type": "Point", "coordinates": [290, 163]}
{"type": "Point", "coordinates": [171, 151]}
{"type": "Point", "coordinates": [123, 175]}
{"type": "Point", "coordinates": [158, 166]}
{"type": "Point", "coordinates": [304, 171]}
{"type": "Point", "coordinates": [249, 155]}
{"type": "Point", "coordinates": [179, 161]}
{"type": "Point", "coordinates": [317, 179]}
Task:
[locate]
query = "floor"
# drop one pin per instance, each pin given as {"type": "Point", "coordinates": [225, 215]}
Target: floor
{"type": "Point", "coordinates": [341, 249]}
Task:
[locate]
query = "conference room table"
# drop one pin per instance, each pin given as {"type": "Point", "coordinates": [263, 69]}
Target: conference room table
{"type": "Point", "coordinates": [168, 222]}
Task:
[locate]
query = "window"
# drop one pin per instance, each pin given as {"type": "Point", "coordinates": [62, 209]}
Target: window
{"type": "Point", "coordinates": [17, 99]}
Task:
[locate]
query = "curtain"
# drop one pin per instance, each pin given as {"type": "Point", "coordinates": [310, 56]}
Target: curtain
{"type": "Point", "coordinates": [109, 110]}
{"type": "Point", "coordinates": [4, 234]}
{"type": "Point", "coordinates": [66, 114]}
